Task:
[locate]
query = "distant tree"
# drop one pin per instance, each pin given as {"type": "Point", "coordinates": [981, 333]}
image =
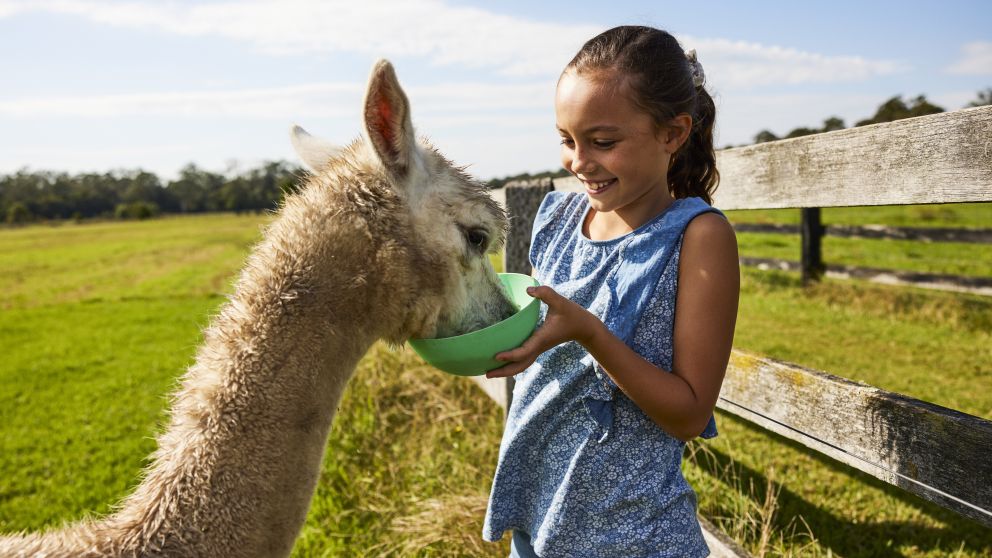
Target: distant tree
{"type": "Point", "coordinates": [260, 188]}
{"type": "Point", "coordinates": [799, 132]}
{"type": "Point", "coordinates": [236, 195]}
{"type": "Point", "coordinates": [897, 109]}
{"type": "Point", "coordinates": [18, 213]}
{"type": "Point", "coordinates": [23, 187]}
{"type": "Point", "coordinates": [984, 98]}
{"type": "Point", "coordinates": [764, 136]}
{"type": "Point", "coordinates": [197, 190]}
{"type": "Point", "coordinates": [141, 186]}
{"type": "Point", "coordinates": [833, 123]}
{"type": "Point", "coordinates": [829, 125]}
{"type": "Point", "coordinates": [93, 195]}
{"type": "Point", "coordinates": [134, 194]}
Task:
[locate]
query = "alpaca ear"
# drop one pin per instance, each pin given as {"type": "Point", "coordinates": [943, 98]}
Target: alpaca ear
{"type": "Point", "coordinates": [314, 151]}
{"type": "Point", "coordinates": [387, 120]}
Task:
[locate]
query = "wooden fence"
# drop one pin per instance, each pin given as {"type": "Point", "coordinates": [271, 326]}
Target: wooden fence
{"type": "Point", "coordinates": [940, 454]}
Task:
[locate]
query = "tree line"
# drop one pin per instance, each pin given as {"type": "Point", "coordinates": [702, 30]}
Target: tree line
{"type": "Point", "coordinates": [891, 110]}
{"type": "Point", "coordinates": [27, 196]}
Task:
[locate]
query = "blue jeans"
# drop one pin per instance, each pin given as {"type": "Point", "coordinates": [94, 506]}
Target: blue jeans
{"type": "Point", "coordinates": [520, 546]}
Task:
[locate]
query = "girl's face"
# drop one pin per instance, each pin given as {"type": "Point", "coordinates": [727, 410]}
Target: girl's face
{"type": "Point", "coordinates": [611, 145]}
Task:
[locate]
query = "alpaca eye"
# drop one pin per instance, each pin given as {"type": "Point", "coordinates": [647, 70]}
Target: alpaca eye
{"type": "Point", "coordinates": [477, 238]}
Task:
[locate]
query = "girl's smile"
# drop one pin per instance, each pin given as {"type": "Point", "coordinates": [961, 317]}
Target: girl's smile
{"type": "Point", "coordinates": [597, 188]}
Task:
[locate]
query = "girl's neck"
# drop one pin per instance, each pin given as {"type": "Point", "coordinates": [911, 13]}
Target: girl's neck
{"type": "Point", "coordinates": [608, 225]}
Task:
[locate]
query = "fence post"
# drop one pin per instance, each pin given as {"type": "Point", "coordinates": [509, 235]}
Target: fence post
{"type": "Point", "coordinates": [522, 200]}
{"type": "Point", "coordinates": [812, 235]}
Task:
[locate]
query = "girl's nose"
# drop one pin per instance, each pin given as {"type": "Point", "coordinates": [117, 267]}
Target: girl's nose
{"type": "Point", "coordinates": [582, 163]}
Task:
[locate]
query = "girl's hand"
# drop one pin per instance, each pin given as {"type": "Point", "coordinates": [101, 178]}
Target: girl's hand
{"type": "Point", "coordinates": [565, 321]}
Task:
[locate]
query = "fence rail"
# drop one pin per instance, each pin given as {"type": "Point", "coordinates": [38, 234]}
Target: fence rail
{"type": "Point", "coordinates": [935, 452]}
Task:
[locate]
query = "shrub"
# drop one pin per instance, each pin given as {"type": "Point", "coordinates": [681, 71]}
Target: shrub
{"type": "Point", "coordinates": [19, 213]}
{"type": "Point", "coordinates": [136, 210]}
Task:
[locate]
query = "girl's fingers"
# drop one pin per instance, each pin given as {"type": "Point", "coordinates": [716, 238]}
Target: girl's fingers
{"type": "Point", "coordinates": [531, 346]}
{"type": "Point", "coordinates": [516, 356]}
{"type": "Point", "coordinates": [511, 369]}
{"type": "Point", "coordinates": [520, 358]}
{"type": "Point", "coordinates": [545, 293]}
{"type": "Point", "coordinates": [503, 372]}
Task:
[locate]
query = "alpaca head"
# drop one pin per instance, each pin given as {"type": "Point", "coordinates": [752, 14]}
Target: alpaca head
{"type": "Point", "coordinates": [443, 224]}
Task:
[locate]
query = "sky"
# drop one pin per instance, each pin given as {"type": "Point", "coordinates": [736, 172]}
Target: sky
{"type": "Point", "coordinates": [97, 85]}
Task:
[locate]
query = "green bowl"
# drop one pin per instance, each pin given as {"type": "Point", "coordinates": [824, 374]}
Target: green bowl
{"type": "Point", "coordinates": [471, 354]}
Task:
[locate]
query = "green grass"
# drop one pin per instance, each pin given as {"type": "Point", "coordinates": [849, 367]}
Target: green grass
{"type": "Point", "coordinates": [954, 258]}
{"type": "Point", "coordinates": [82, 387]}
{"type": "Point", "coordinates": [94, 332]}
{"type": "Point", "coordinates": [951, 258]}
{"type": "Point", "coordinates": [953, 215]}
{"type": "Point", "coordinates": [176, 256]}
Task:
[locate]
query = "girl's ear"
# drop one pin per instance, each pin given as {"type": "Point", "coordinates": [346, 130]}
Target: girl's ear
{"type": "Point", "coordinates": [676, 132]}
{"type": "Point", "coordinates": [387, 120]}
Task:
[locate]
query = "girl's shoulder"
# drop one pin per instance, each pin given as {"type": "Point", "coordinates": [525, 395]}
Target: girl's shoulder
{"type": "Point", "coordinates": [705, 223]}
{"type": "Point", "coordinates": [553, 225]}
{"type": "Point", "coordinates": [709, 235]}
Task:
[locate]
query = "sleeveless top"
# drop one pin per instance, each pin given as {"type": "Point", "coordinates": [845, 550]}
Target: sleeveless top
{"type": "Point", "coordinates": [582, 470]}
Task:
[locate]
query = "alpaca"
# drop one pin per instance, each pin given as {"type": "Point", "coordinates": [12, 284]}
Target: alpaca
{"type": "Point", "coordinates": [387, 240]}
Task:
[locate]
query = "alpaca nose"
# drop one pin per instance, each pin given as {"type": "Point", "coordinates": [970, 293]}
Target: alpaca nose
{"type": "Point", "coordinates": [506, 307]}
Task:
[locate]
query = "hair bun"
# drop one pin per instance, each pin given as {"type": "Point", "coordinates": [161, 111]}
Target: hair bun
{"type": "Point", "coordinates": [698, 76]}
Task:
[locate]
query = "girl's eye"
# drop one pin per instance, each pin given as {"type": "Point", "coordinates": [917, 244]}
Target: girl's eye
{"type": "Point", "coordinates": [568, 142]}
{"type": "Point", "coordinates": [604, 144]}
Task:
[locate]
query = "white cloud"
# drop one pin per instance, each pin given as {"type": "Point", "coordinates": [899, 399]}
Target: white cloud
{"type": "Point", "coordinates": [318, 100]}
{"type": "Point", "coordinates": [745, 64]}
{"type": "Point", "coordinates": [445, 35]}
{"type": "Point", "coordinates": [976, 60]}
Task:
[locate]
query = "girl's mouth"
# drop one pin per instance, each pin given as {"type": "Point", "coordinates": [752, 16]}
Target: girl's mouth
{"type": "Point", "coordinates": [597, 188]}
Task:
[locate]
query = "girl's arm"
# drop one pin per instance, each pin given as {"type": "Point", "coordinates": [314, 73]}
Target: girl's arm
{"type": "Point", "coordinates": [705, 314]}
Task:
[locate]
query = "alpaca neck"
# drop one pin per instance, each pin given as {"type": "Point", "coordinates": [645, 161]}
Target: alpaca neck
{"type": "Point", "coordinates": [238, 465]}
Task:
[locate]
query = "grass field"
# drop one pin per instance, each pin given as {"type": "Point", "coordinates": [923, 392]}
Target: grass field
{"type": "Point", "coordinates": [952, 215]}
{"type": "Point", "coordinates": [97, 321]}
{"type": "Point", "coordinates": [951, 258]}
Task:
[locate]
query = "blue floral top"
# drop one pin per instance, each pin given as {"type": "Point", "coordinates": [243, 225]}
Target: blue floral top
{"type": "Point", "coordinates": [582, 470]}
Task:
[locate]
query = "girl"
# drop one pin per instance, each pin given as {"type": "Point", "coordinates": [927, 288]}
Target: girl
{"type": "Point", "coordinates": [640, 280]}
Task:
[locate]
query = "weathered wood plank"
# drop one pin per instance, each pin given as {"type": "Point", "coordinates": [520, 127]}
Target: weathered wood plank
{"type": "Point", "coordinates": [941, 158]}
{"type": "Point", "coordinates": [521, 200]}
{"type": "Point", "coordinates": [937, 453]}
{"type": "Point", "coordinates": [721, 545]}
{"type": "Point", "coordinates": [495, 388]}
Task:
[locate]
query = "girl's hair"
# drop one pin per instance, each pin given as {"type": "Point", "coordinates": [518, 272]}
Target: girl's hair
{"type": "Point", "coordinates": [661, 79]}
